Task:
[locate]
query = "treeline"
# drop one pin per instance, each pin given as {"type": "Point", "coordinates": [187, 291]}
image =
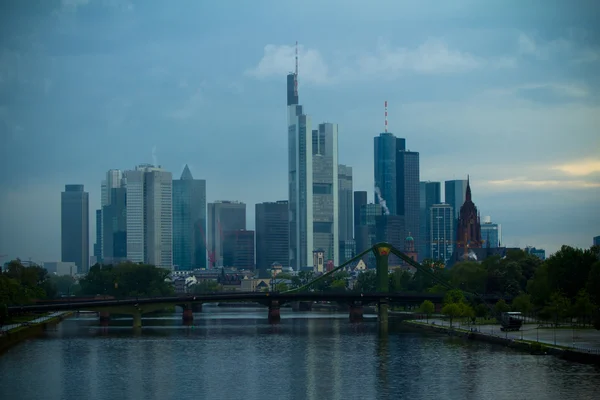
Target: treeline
{"type": "Point", "coordinates": [126, 280]}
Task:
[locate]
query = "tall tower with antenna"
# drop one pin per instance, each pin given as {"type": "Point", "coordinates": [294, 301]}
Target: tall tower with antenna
{"type": "Point", "coordinates": [300, 176]}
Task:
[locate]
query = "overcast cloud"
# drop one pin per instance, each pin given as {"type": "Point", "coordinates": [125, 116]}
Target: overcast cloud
{"type": "Point", "coordinates": [505, 91]}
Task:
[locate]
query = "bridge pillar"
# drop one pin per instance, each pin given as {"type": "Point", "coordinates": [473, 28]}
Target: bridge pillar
{"type": "Point", "coordinates": [137, 319]}
{"type": "Point", "coordinates": [188, 314]}
{"type": "Point", "coordinates": [104, 316]}
{"type": "Point", "coordinates": [197, 307]}
{"type": "Point", "coordinates": [356, 311]}
{"type": "Point", "coordinates": [382, 254]}
{"type": "Point", "coordinates": [274, 315]}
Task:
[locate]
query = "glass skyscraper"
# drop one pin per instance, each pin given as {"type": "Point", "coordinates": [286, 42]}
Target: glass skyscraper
{"type": "Point", "coordinates": [75, 233]}
{"type": "Point", "coordinates": [441, 234]}
{"type": "Point", "coordinates": [189, 222]}
{"type": "Point", "coordinates": [430, 194]}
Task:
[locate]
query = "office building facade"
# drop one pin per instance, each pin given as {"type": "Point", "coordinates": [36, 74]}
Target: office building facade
{"type": "Point", "coordinates": [300, 179]}
{"type": "Point", "coordinates": [326, 191]}
{"type": "Point", "coordinates": [189, 222]}
{"type": "Point", "coordinates": [75, 234]}
{"type": "Point", "coordinates": [223, 217]}
{"type": "Point", "coordinates": [272, 235]}
{"type": "Point", "coordinates": [430, 194]}
{"type": "Point", "coordinates": [441, 232]}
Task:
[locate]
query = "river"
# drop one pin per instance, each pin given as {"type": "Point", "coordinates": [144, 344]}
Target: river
{"type": "Point", "coordinates": [233, 353]}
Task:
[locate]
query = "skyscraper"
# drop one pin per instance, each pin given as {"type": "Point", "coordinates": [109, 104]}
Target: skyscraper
{"type": "Point", "coordinates": [114, 179]}
{"type": "Point", "coordinates": [455, 192]}
{"type": "Point", "coordinates": [300, 178]}
{"type": "Point", "coordinates": [345, 214]}
{"type": "Point", "coordinates": [189, 222]}
{"type": "Point", "coordinates": [75, 233]}
{"type": "Point", "coordinates": [441, 232]}
{"type": "Point", "coordinates": [408, 193]}
{"type": "Point", "coordinates": [149, 191]}
{"type": "Point", "coordinates": [238, 249]}
{"type": "Point", "coordinates": [430, 194]}
{"type": "Point", "coordinates": [114, 222]}
{"type": "Point", "coordinates": [491, 233]}
{"type": "Point", "coordinates": [98, 244]}
{"type": "Point", "coordinates": [272, 235]}
{"type": "Point", "coordinates": [385, 172]}
{"type": "Point", "coordinates": [325, 191]}
{"type": "Point", "coordinates": [346, 227]}
{"type": "Point", "coordinates": [223, 217]}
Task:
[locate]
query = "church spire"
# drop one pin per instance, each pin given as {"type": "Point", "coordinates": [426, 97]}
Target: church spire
{"type": "Point", "coordinates": [468, 194]}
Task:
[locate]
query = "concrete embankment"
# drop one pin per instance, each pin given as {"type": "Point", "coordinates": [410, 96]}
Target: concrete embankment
{"type": "Point", "coordinates": [531, 347]}
{"type": "Point", "coordinates": [29, 330]}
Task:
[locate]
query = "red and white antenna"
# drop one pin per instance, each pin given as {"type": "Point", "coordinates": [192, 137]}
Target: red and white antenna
{"type": "Point", "coordinates": [386, 116]}
{"type": "Point", "coordinates": [296, 73]}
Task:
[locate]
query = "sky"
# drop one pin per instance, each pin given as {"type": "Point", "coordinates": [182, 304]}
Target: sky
{"type": "Point", "coordinates": [504, 91]}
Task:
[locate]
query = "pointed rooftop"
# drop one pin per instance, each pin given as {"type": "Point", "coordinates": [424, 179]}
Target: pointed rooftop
{"type": "Point", "coordinates": [186, 175]}
{"type": "Point", "coordinates": [468, 194]}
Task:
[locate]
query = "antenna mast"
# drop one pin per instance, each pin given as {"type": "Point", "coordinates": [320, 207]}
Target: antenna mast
{"type": "Point", "coordinates": [296, 73]}
{"type": "Point", "coordinates": [386, 116]}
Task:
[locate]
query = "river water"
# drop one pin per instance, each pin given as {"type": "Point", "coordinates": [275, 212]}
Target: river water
{"type": "Point", "coordinates": [234, 353]}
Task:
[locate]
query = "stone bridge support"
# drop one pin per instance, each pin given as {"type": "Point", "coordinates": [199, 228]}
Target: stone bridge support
{"type": "Point", "coordinates": [382, 253]}
{"type": "Point", "coordinates": [356, 311]}
{"type": "Point", "coordinates": [274, 314]}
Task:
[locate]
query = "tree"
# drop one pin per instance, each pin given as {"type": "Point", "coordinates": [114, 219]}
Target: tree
{"type": "Point", "coordinates": [452, 310]}
{"type": "Point", "coordinates": [366, 281]}
{"type": "Point", "coordinates": [427, 308]}
{"type": "Point", "coordinates": [583, 307]}
{"type": "Point", "coordinates": [522, 303]}
{"type": "Point", "coordinates": [469, 276]}
{"type": "Point", "coordinates": [501, 307]}
{"type": "Point", "coordinates": [281, 287]}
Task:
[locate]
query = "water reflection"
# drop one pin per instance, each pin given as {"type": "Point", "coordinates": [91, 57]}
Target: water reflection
{"type": "Point", "coordinates": [238, 354]}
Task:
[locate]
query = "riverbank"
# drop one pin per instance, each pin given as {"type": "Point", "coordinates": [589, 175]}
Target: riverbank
{"type": "Point", "coordinates": [529, 346]}
{"type": "Point", "coordinates": [14, 334]}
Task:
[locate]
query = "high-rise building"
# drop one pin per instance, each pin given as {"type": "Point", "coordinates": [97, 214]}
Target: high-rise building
{"type": "Point", "coordinates": [223, 217]}
{"type": "Point", "coordinates": [408, 193]}
{"type": "Point", "coordinates": [98, 244]}
{"type": "Point", "coordinates": [114, 222]}
{"type": "Point", "coordinates": [238, 249]}
{"type": "Point", "coordinates": [149, 192]}
{"type": "Point", "coordinates": [454, 195]}
{"type": "Point", "coordinates": [189, 222]}
{"type": "Point", "coordinates": [272, 235]}
{"type": "Point", "coordinates": [390, 229]}
{"type": "Point", "coordinates": [596, 241]}
{"type": "Point", "coordinates": [385, 146]}
{"type": "Point", "coordinates": [430, 194]}
{"type": "Point", "coordinates": [114, 179]}
{"type": "Point", "coordinates": [441, 232]}
{"type": "Point", "coordinates": [325, 191]}
{"type": "Point", "coordinates": [75, 233]}
{"type": "Point", "coordinates": [300, 178]}
{"type": "Point", "coordinates": [345, 213]}
{"type": "Point", "coordinates": [491, 233]}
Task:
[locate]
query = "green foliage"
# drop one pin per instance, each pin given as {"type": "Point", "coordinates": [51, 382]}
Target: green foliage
{"type": "Point", "coordinates": [522, 303]}
{"type": "Point", "coordinates": [366, 281]}
{"type": "Point", "coordinates": [281, 287]}
{"type": "Point", "coordinates": [22, 285]}
{"type": "Point", "coordinates": [126, 280]}
{"type": "Point", "coordinates": [427, 308]}
{"type": "Point", "coordinates": [501, 307]}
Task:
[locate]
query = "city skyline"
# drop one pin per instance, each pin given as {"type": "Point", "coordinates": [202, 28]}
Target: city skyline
{"type": "Point", "coordinates": [510, 122]}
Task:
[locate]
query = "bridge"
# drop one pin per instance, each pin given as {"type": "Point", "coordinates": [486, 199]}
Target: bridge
{"type": "Point", "coordinates": [273, 300]}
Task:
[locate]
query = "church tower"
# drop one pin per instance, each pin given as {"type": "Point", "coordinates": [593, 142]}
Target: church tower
{"type": "Point", "coordinates": [469, 226]}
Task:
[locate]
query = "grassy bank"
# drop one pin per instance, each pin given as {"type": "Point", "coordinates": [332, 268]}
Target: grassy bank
{"type": "Point", "coordinates": [24, 332]}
